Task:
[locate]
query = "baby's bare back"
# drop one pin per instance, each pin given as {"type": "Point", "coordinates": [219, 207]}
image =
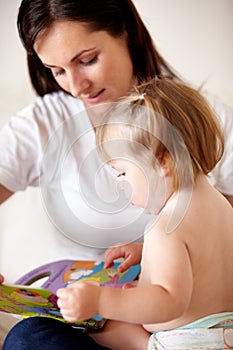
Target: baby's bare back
{"type": "Point", "coordinates": [209, 241]}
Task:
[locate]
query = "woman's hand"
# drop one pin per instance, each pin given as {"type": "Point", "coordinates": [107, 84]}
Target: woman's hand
{"type": "Point", "coordinates": [79, 301]}
{"type": "Point", "coordinates": [131, 252]}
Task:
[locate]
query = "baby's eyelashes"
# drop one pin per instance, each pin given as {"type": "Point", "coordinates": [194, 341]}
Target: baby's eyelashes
{"type": "Point", "coordinates": [121, 174]}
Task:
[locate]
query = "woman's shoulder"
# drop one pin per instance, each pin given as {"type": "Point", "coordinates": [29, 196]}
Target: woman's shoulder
{"type": "Point", "coordinates": [62, 98]}
{"type": "Point", "coordinates": [45, 113]}
{"type": "Point", "coordinates": [53, 105]}
{"type": "Point", "coordinates": [223, 110]}
{"type": "Point", "coordinates": [43, 117]}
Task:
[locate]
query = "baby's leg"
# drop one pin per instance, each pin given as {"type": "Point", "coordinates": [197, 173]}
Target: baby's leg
{"type": "Point", "coordinates": [119, 335]}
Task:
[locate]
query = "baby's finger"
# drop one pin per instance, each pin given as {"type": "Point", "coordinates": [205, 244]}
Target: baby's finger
{"type": "Point", "coordinates": [61, 293]}
{"type": "Point", "coordinates": [125, 265]}
{"type": "Point", "coordinates": [112, 254]}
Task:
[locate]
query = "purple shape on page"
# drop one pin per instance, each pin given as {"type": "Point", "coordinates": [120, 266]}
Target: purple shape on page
{"type": "Point", "coordinates": [54, 271]}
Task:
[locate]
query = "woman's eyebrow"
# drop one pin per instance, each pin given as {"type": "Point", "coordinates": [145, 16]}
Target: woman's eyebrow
{"type": "Point", "coordinates": [73, 58]}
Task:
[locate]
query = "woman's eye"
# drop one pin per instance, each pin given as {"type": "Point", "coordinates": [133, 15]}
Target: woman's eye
{"type": "Point", "coordinates": [121, 174]}
{"type": "Point", "coordinates": [90, 62]}
{"type": "Point", "coordinates": [57, 73]}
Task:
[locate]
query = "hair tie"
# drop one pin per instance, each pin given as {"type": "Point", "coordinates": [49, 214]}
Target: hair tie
{"type": "Point", "coordinates": [142, 96]}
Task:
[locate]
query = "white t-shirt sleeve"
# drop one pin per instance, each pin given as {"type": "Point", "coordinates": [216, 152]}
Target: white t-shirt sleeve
{"type": "Point", "coordinates": [24, 137]}
{"type": "Point", "coordinates": [222, 175]}
{"type": "Point", "coordinates": [20, 154]}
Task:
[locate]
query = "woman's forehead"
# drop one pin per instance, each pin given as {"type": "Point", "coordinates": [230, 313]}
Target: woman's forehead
{"type": "Point", "coordinates": [71, 38]}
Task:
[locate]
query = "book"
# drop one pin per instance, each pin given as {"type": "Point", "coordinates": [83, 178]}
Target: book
{"type": "Point", "coordinates": [27, 301]}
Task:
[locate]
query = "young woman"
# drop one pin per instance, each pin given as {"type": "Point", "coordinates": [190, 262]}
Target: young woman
{"type": "Point", "coordinates": [81, 55]}
{"type": "Point", "coordinates": [158, 140]}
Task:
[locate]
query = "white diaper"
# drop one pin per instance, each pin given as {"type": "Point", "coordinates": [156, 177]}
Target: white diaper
{"type": "Point", "coordinates": [210, 332]}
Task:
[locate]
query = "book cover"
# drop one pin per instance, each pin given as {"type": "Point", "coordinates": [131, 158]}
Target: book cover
{"type": "Point", "coordinates": [28, 301]}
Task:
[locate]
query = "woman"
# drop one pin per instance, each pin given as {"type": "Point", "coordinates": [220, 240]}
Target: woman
{"type": "Point", "coordinates": [81, 55]}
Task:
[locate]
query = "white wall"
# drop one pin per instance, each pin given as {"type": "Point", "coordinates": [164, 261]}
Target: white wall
{"type": "Point", "coordinates": [196, 38]}
{"type": "Point", "coordinates": [15, 89]}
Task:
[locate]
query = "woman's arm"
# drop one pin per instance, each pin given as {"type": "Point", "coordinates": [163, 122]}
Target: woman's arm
{"type": "Point", "coordinates": [4, 194]}
{"type": "Point", "coordinates": [222, 175]}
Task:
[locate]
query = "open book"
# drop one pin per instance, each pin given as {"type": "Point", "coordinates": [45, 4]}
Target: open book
{"type": "Point", "coordinates": [27, 301]}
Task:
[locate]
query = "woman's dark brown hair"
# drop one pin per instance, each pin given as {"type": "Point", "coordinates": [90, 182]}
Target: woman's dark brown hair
{"type": "Point", "coordinates": [113, 16]}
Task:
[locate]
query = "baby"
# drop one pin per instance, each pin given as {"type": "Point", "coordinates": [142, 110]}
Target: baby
{"type": "Point", "coordinates": [163, 140]}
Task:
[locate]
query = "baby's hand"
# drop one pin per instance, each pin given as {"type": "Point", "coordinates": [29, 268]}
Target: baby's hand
{"type": "Point", "coordinates": [131, 252]}
{"type": "Point", "coordinates": [79, 301]}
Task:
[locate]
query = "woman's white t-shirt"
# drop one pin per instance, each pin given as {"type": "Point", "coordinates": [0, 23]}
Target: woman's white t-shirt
{"type": "Point", "coordinates": [51, 144]}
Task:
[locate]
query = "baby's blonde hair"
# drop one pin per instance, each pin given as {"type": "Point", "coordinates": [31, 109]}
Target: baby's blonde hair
{"type": "Point", "coordinates": [167, 117]}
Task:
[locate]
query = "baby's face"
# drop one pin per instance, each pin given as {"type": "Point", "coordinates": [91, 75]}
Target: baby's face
{"type": "Point", "coordinates": [134, 175]}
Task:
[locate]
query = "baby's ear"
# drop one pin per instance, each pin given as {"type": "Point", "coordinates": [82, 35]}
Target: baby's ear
{"type": "Point", "coordinates": [166, 164]}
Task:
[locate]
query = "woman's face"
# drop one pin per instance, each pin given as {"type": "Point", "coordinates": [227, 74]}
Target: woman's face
{"type": "Point", "coordinates": [92, 66]}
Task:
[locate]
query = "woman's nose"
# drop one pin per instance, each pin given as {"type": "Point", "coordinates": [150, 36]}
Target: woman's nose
{"type": "Point", "coordinates": [78, 84]}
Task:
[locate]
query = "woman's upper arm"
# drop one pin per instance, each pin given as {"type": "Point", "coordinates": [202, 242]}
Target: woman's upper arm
{"type": "Point", "coordinates": [222, 175]}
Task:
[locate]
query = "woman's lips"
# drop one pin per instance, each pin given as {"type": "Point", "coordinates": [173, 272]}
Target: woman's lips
{"type": "Point", "coordinates": [95, 98]}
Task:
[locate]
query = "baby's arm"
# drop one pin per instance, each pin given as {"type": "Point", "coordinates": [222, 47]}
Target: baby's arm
{"type": "Point", "coordinates": [163, 294]}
